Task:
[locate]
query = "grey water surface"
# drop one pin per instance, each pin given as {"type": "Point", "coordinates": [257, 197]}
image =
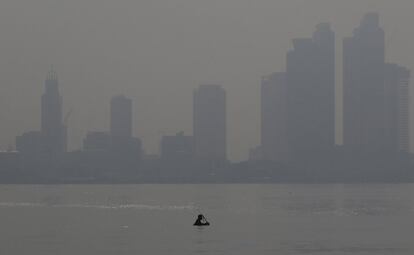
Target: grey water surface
{"type": "Point", "coordinates": [245, 219]}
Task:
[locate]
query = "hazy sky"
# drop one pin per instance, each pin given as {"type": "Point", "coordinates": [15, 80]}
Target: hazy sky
{"type": "Point", "coordinates": [158, 51]}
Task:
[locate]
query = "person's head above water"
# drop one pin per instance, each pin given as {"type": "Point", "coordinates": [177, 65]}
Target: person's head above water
{"type": "Point", "coordinates": [200, 217]}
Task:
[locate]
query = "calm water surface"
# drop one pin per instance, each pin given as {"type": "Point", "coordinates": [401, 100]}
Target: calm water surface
{"type": "Point", "coordinates": [246, 219]}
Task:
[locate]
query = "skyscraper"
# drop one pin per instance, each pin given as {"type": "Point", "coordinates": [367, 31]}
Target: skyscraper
{"type": "Point", "coordinates": [121, 117]}
{"type": "Point", "coordinates": [52, 129]}
{"type": "Point", "coordinates": [363, 86]}
{"type": "Point", "coordinates": [274, 144]}
{"type": "Point", "coordinates": [397, 80]}
{"type": "Point", "coordinates": [311, 94]}
{"type": "Point", "coordinates": [209, 122]}
{"type": "Point", "coordinates": [122, 141]}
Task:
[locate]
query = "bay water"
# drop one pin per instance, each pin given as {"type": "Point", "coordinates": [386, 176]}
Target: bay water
{"type": "Point", "coordinates": [245, 219]}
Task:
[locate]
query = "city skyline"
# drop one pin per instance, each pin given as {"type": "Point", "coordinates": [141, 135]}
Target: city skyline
{"type": "Point", "coordinates": [237, 146]}
{"type": "Point", "coordinates": [297, 121]}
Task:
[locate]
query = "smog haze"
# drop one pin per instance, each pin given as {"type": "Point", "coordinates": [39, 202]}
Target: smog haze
{"type": "Point", "coordinates": [158, 51]}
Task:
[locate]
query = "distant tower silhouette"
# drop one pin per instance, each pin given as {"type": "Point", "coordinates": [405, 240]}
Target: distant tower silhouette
{"type": "Point", "coordinates": [310, 72]}
{"type": "Point", "coordinates": [121, 140]}
{"type": "Point", "coordinates": [363, 86]}
{"type": "Point", "coordinates": [52, 129]}
{"type": "Point", "coordinates": [121, 117]}
{"type": "Point", "coordinates": [397, 82]}
{"type": "Point", "coordinates": [209, 123]}
{"type": "Point", "coordinates": [274, 144]}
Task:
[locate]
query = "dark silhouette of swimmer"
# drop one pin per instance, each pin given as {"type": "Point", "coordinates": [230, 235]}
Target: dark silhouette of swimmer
{"type": "Point", "coordinates": [201, 221]}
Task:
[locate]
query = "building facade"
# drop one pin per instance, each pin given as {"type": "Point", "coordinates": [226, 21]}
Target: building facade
{"type": "Point", "coordinates": [397, 83]}
{"type": "Point", "coordinates": [97, 141]}
{"type": "Point", "coordinates": [274, 142]}
{"type": "Point", "coordinates": [122, 140]}
{"type": "Point", "coordinates": [209, 122]}
{"type": "Point", "coordinates": [52, 128]}
{"type": "Point", "coordinates": [311, 94]}
{"type": "Point", "coordinates": [363, 86]}
{"type": "Point", "coordinates": [121, 117]}
{"type": "Point", "coordinates": [177, 147]}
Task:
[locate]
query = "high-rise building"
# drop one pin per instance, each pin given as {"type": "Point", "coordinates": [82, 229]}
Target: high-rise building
{"type": "Point", "coordinates": [274, 143]}
{"type": "Point", "coordinates": [121, 117]}
{"type": "Point", "coordinates": [397, 82]}
{"type": "Point", "coordinates": [311, 94]}
{"type": "Point", "coordinates": [209, 122]}
{"type": "Point", "coordinates": [363, 86]}
{"type": "Point", "coordinates": [52, 129]}
{"type": "Point", "coordinates": [122, 141]}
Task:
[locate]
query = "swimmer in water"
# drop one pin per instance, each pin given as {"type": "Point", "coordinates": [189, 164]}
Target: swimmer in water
{"type": "Point", "coordinates": [201, 221]}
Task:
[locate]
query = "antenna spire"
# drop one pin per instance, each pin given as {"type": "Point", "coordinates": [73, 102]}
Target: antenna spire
{"type": "Point", "coordinates": [52, 75]}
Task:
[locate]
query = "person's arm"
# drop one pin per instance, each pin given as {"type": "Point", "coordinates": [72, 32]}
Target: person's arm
{"type": "Point", "coordinates": [206, 222]}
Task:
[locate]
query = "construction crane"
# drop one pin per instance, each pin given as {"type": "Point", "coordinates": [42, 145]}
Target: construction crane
{"type": "Point", "coordinates": [67, 116]}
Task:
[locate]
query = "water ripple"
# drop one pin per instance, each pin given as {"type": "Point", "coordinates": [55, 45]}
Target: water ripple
{"type": "Point", "coordinates": [96, 206]}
